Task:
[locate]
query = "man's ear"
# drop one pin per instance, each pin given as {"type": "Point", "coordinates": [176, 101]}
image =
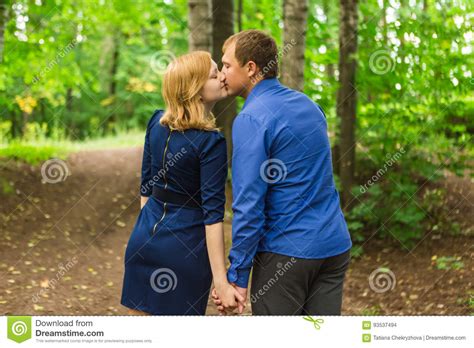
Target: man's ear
{"type": "Point", "coordinates": [252, 69]}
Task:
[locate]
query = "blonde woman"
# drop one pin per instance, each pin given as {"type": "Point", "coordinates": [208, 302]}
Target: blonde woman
{"type": "Point", "coordinates": [176, 248]}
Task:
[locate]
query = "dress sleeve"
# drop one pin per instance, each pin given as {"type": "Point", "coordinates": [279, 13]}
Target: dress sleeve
{"type": "Point", "coordinates": [146, 184]}
{"type": "Point", "coordinates": [213, 170]}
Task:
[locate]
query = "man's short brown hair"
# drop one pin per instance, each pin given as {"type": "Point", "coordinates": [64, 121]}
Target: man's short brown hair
{"type": "Point", "coordinates": [257, 46]}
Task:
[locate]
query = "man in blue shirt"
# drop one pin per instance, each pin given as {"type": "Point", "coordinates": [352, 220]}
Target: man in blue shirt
{"type": "Point", "coordinates": [287, 223]}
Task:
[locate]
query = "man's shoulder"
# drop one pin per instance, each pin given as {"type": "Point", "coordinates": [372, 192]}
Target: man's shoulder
{"type": "Point", "coordinates": [254, 117]}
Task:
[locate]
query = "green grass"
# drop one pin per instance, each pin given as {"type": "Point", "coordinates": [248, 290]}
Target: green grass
{"type": "Point", "coordinates": [34, 152]}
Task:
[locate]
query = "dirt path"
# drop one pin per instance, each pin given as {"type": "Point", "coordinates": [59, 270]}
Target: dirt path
{"type": "Point", "coordinates": [62, 247]}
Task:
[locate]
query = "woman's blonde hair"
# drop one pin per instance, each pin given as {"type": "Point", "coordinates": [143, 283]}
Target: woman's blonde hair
{"type": "Point", "coordinates": [183, 80]}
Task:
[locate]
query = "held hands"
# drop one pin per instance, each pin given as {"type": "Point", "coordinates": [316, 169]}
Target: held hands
{"type": "Point", "coordinates": [229, 297]}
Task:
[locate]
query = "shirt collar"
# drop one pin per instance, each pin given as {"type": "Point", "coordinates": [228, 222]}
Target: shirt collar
{"type": "Point", "coordinates": [260, 88]}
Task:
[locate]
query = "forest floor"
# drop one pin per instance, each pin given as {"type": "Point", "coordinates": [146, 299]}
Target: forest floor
{"type": "Point", "coordinates": [62, 246]}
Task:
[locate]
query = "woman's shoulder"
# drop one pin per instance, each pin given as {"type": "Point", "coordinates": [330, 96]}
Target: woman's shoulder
{"type": "Point", "coordinates": [211, 139]}
{"type": "Point", "coordinates": [155, 118]}
{"type": "Point", "coordinates": [212, 136]}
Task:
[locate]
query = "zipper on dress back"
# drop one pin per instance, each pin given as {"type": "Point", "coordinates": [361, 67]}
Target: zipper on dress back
{"type": "Point", "coordinates": [166, 183]}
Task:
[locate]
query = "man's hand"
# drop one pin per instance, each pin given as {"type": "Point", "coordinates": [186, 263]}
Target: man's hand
{"type": "Point", "coordinates": [241, 305]}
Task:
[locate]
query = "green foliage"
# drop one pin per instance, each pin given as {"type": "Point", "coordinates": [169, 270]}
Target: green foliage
{"type": "Point", "coordinates": [449, 263]}
{"type": "Point", "coordinates": [374, 310]}
{"type": "Point", "coordinates": [85, 70]}
{"type": "Point", "coordinates": [31, 154]}
{"type": "Point", "coordinates": [414, 118]}
{"type": "Point", "coordinates": [6, 187]}
{"type": "Point", "coordinates": [41, 149]}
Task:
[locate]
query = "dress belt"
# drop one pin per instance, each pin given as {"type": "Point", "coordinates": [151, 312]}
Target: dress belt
{"type": "Point", "coordinates": [168, 196]}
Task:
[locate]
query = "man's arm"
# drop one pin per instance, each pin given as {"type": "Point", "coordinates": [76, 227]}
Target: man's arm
{"type": "Point", "coordinates": [251, 141]}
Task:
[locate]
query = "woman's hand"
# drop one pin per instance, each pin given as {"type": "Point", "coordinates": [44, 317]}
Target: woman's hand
{"type": "Point", "coordinates": [229, 297]}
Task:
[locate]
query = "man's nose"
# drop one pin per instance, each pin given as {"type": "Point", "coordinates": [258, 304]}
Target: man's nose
{"type": "Point", "coordinates": [221, 76]}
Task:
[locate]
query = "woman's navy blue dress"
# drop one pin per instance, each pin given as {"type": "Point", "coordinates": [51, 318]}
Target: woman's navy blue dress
{"type": "Point", "coordinates": [167, 268]}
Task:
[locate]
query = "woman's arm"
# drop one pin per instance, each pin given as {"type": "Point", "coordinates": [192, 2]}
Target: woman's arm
{"type": "Point", "coordinates": [143, 201]}
{"type": "Point", "coordinates": [216, 250]}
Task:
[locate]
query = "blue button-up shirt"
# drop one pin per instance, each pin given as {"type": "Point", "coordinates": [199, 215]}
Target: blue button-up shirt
{"type": "Point", "coordinates": [284, 197]}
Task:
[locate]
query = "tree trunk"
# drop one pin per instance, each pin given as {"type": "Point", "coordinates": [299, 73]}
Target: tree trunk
{"type": "Point", "coordinates": [295, 14]}
{"type": "Point", "coordinates": [383, 23]}
{"type": "Point", "coordinates": [69, 99]}
{"type": "Point", "coordinates": [223, 27]}
{"type": "Point", "coordinates": [331, 80]}
{"type": "Point", "coordinates": [200, 25]}
{"type": "Point", "coordinates": [239, 14]}
{"type": "Point", "coordinates": [113, 79]}
{"type": "Point", "coordinates": [3, 24]}
{"type": "Point", "coordinates": [347, 96]}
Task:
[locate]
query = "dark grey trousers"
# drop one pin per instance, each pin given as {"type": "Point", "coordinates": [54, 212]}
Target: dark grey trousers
{"type": "Point", "coordinates": [285, 285]}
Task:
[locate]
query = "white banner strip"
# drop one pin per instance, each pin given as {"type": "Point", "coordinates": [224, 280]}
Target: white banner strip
{"type": "Point", "coordinates": [235, 331]}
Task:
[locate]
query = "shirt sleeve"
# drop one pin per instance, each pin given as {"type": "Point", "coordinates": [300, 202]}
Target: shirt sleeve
{"type": "Point", "coordinates": [251, 143]}
{"type": "Point", "coordinates": [146, 184]}
{"type": "Point", "coordinates": [213, 172]}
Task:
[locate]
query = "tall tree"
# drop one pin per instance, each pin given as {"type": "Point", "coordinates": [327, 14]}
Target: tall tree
{"type": "Point", "coordinates": [347, 96]}
{"type": "Point", "coordinates": [240, 8]}
{"type": "Point", "coordinates": [3, 24]}
{"type": "Point", "coordinates": [200, 25]}
{"type": "Point", "coordinates": [295, 14]}
{"type": "Point", "coordinates": [113, 77]}
{"type": "Point", "coordinates": [223, 27]}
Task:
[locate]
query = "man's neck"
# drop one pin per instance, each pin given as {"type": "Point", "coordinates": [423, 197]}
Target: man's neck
{"type": "Point", "coordinates": [250, 87]}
